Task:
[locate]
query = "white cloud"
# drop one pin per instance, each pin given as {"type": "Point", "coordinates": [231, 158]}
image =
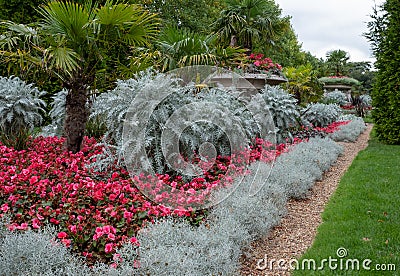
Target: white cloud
{"type": "Point", "coordinates": [324, 25]}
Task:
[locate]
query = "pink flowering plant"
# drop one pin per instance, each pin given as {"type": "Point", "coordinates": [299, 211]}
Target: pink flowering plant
{"type": "Point", "coordinates": [96, 212]}
{"type": "Point", "coordinates": [263, 64]}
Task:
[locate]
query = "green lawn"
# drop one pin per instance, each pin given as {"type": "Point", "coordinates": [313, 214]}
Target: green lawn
{"type": "Point", "coordinates": [363, 216]}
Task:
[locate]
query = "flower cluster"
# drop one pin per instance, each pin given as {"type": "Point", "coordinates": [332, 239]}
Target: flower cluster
{"type": "Point", "coordinates": [263, 63]}
{"type": "Point", "coordinates": [96, 212]}
{"type": "Point", "coordinates": [332, 127]}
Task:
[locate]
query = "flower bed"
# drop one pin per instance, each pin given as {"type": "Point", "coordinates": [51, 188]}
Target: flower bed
{"type": "Point", "coordinates": [100, 214]}
{"type": "Point", "coordinates": [94, 212]}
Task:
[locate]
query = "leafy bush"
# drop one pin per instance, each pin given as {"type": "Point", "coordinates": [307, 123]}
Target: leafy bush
{"type": "Point", "coordinates": [37, 253]}
{"type": "Point", "coordinates": [283, 108]}
{"type": "Point", "coordinates": [384, 35]}
{"type": "Point", "coordinates": [321, 115]}
{"type": "Point", "coordinates": [336, 97]}
{"type": "Point", "coordinates": [20, 111]}
{"type": "Point", "coordinates": [350, 131]}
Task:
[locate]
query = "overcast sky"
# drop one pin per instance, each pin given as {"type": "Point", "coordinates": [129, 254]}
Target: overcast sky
{"type": "Point", "coordinates": [324, 25]}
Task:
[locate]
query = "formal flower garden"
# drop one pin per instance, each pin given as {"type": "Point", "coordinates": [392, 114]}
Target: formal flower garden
{"type": "Point", "coordinates": [123, 169]}
{"type": "Point", "coordinates": [99, 214]}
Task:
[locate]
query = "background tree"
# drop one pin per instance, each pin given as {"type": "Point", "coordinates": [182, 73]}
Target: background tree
{"type": "Point", "coordinates": [19, 11]}
{"type": "Point", "coordinates": [286, 50]}
{"type": "Point", "coordinates": [362, 72]}
{"type": "Point", "coordinates": [196, 16]}
{"type": "Point", "coordinates": [74, 42]}
{"type": "Point", "coordinates": [384, 35]}
{"type": "Point", "coordinates": [249, 23]}
{"type": "Point", "coordinates": [337, 61]}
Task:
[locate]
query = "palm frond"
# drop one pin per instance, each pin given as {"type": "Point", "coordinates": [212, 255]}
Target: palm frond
{"type": "Point", "coordinates": [68, 19]}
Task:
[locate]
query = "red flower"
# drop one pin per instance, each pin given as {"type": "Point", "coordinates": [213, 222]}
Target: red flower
{"type": "Point", "coordinates": [62, 235]}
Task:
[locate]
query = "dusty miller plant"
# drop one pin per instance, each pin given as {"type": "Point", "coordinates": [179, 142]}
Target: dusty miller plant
{"type": "Point", "coordinates": [37, 253]}
{"type": "Point", "coordinates": [366, 100]}
{"type": "Point", "coordinates": [350, 131]}
{"type": "Point", "coordinates": [320, 115]}
{"type": "Point", "coordinates": [57, 115]}
{"type": "Point", "coordinates": [211, 115]}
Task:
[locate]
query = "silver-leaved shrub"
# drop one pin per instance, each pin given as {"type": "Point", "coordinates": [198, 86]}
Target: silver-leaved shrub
{"type": "Point", "coordinates": [320, 115]}
{"type": "Point", "coordinates": [283, 108]}
{"type": "Point", "coordinates": [350, 131]}
{"type": "Point", "coordinates": [335, 97]}
{"type": "Point", "coordinates": [20, 110]}
{"type": "Point", "coordinates": [37, 253]}
{"type": "Point", "coordinates": [57, 115]}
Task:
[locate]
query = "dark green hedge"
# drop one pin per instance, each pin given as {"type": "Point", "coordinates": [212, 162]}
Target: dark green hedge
{"type": "Point", "coordinates": [386, 91]}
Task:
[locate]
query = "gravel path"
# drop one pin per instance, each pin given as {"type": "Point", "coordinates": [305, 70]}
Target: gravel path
{"type": "Point", "coordinates": [297, 230]}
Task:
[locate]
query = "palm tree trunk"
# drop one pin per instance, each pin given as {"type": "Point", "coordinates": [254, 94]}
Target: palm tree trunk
{"type": "Point", "coordinates": [76, 117]}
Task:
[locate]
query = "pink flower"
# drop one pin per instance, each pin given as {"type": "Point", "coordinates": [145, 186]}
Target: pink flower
{"type": "Point", "coordinates": [62, 235]}
{"type": "Point", "coordinates": [111, 236]}
{"type": "Point", "coordinates": [72, 228]}
{"type": "Point", "coordinates": [33, 180]}
{"type": "Point", "coordinates": [134, 241]}
{"type": "Point", "coordinates": [23, 226]}
{"type": "Point", "coordinates": [108, 248]}
{"type": "Point", "coordinates": [66, 242]}
{"type": "Point", "coordinates": [4, 207]}
{"type": "Point", "coordinates": [35, 223]}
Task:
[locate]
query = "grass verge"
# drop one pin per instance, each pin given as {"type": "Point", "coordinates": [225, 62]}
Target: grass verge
{"type": "Point", "coordinates": [362, 219]}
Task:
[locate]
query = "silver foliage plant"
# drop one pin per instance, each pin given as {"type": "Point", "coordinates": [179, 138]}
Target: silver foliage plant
{"type": "Point", "coordinates": [57, 115]}
{"type": "Point", "coordinates": [171, 247]}
{"type": "Point", "coordinates": [350, 131]}
{"type": "Point", "coordinates": [37, 253]}
{"type": "Point", "coordinates": [174, 247]}
{"type": "Point", "coordinates": [336, 97]}
{"type": "Point", "coordinates": [283, 108]}
{"type": "Point", "coordinates": [366, 100]}
{"type": "Point", "coordinates": [204, 116]}
{"type": "Point", "coordinates": [20, 105]}
{"type": "Point", "coordinates": [320, 115]}
{"type": "Point", "coordinates": [304, 164]}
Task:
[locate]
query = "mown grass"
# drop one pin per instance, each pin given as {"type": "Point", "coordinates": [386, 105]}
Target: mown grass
{"type": "Point", "coordinates": [363, 216]}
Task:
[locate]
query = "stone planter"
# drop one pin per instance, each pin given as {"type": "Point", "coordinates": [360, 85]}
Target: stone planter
{"type": "Point", "coordinates": [247, 81]}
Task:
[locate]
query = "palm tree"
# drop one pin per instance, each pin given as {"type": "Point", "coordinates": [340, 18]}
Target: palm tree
{"type": "Point", "coordinates": [181, 47]}
{"type": "Point", "coordinates": [247, 22]}
{"type": "Point", "coordinates": [337, 60]}
{"type": "Point", "coordinates": [78, 42]}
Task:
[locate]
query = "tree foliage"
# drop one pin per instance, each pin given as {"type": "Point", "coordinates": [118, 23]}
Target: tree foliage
{"type": "Point", "coordinates": [384, 35]}
{"type": "Point", "coordinates": [336, 61]}
{"type": "Point", "coordinates": [80, 44]}
{"type": "Point", "coordinates": [248, 23]}
{"type": "Point", "coordinates": [196, 16]}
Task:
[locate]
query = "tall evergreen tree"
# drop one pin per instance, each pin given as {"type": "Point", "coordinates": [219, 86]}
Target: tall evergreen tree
{"type": "Point", "coordinates": [384, 34]}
